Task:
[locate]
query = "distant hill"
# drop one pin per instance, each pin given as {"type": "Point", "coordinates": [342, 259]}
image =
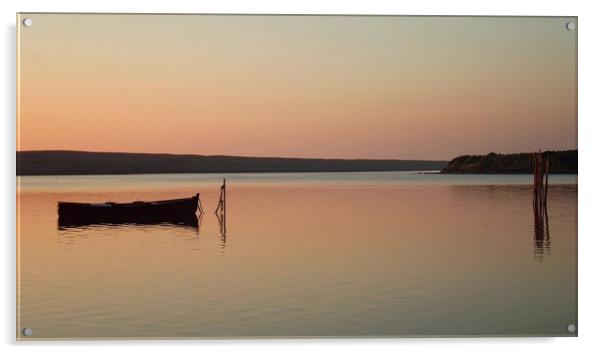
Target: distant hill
{"type": "Point", "coordinates": [560, 162]}
{"type": "Point", "coordinates": [88, 163]}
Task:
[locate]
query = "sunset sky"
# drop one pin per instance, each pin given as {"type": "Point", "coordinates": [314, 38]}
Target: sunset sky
{"type": "Point", "coordinates": [297, 86]}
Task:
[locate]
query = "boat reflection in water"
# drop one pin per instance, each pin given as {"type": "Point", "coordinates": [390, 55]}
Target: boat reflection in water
{"type": "Point", "coordinates": [192, 221]}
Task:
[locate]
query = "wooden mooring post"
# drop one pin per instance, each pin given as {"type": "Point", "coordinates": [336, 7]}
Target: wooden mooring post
{"type": "Point", "coordinates": [541, 170]}
{"type": "Point", "coordinates": [220, 211]}
{"type": "Point", "coordinates": [221, 205]}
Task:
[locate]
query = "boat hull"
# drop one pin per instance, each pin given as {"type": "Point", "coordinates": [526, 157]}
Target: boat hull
{"type": "Point", "coordinates": [173, 211]}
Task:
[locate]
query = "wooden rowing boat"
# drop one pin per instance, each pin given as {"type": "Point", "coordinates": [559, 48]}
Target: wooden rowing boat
{"type": "Point", "coordinates": [173, 210]}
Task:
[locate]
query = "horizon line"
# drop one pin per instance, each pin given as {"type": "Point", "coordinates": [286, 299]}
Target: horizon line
{"type": "Point", "coordinates": [285, 157]}
{"type": "Point", "coordinates": [221, 155]}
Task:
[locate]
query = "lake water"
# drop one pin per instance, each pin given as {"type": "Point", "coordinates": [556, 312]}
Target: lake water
{"type": "Point", "coordinates": [303, 254]}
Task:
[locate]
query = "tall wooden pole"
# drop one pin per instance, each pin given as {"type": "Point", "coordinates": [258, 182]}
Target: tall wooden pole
{"type": "Point", "coordinates": [545, 195]}
{"type": "Point", "coordinates": [221, 205]}
{"type": "Point", "coordinates": [541, 171]}
{"type": "Point", "coordinates": [224, 205]}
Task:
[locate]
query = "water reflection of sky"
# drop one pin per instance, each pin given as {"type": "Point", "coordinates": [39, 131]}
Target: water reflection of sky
{"type": "Point", "coordinates": [132, 182]}
{"type": "Point", "coordinates": [304, 260]}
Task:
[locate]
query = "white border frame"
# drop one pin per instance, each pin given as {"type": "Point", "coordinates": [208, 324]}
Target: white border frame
{"type": "Point", "coordinates": [590, 114]}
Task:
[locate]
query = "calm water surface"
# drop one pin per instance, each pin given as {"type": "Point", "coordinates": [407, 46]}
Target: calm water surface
{"type": "Point", "coordinates": [322, 254]}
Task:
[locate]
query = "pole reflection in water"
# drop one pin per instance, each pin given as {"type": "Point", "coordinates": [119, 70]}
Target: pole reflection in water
{"type": "Point", "coordinates": [221, 218]}
{"type": "Point", "coordinates": [541, 171]}
{"type": "Point", "coordinates": [541, 237]}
